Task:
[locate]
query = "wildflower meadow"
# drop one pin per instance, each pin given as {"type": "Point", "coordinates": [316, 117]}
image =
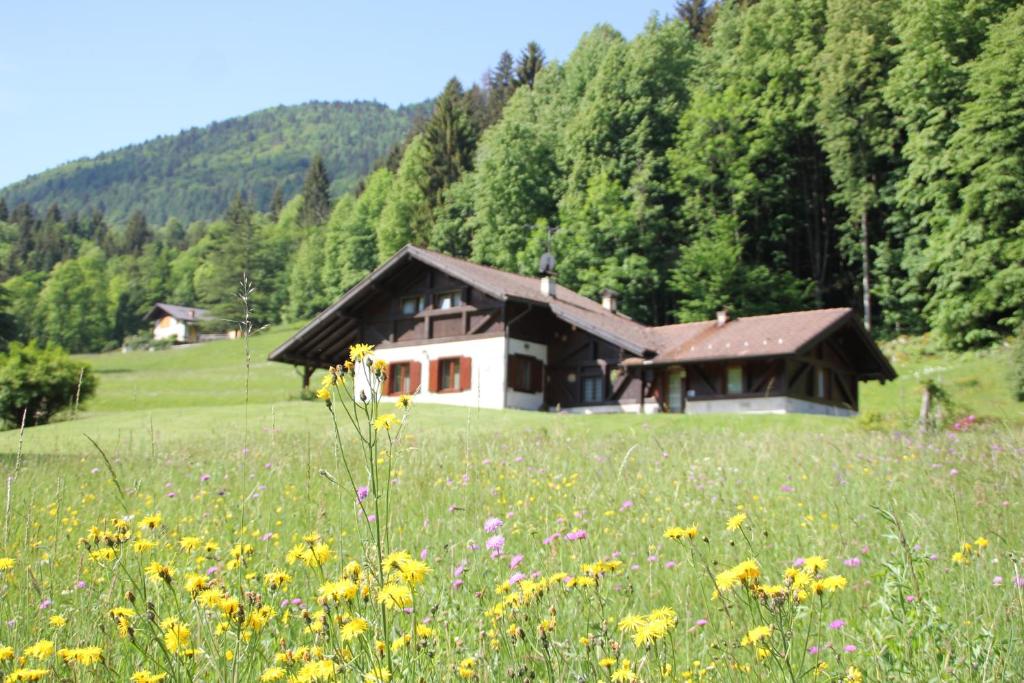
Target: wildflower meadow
{"type": "Point", "coordinates": [396, 541]}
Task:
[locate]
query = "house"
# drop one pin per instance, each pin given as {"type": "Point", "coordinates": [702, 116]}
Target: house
{"type": "Point", "coordinates": [461, 333]}
{"type": "Point", "coordinates": [180, 323]}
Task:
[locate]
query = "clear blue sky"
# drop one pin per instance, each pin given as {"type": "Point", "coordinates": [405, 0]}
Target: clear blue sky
{"type": "Point", "coordinates": [78, 78]}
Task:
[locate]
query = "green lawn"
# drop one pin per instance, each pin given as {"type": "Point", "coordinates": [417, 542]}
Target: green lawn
{"type": "Point", "coordinates": [234, 488]}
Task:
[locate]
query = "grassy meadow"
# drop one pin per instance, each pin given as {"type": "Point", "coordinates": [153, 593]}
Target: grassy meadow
{"type": "Point", "coordinates": [214, 533]}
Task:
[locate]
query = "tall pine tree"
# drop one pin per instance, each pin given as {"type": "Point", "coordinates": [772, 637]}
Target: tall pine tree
{"type": "Point", "coordinates": [316, 192]}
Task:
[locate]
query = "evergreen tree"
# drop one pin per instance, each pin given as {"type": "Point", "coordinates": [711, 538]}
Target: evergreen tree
{"type": "Point", "coordinates": [3, 206]}
{"type": "Point", "coordinates": [8, 327]}
{"type": "Point", "coordinates": [697, 16]}
{"type": "Point", "coordinates": [316, 208]}
{"type": "Point", "coordinates": [136, 233]}
{"type": "Point", "coordinates": [406, 216]}
{"type": "Point", "coordinates": [449, 139]}
{"type": "Point", "coordinates": [276, 203]}
{"type": "Point", "coordinates": [530, 62]}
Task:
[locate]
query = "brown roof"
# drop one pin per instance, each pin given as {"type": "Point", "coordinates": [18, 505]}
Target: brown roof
{"type": "Point", "coordinates": [177, 312]}
{"type": "Point", "coordinates": [765, 335]}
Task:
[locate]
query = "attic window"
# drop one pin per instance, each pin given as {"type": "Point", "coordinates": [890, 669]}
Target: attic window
{"type": "Point", "coordinates": [411, 305]}
{"type": "Point", "coordinates": [448, 299]}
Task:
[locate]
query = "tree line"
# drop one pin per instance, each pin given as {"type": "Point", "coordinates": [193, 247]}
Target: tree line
{"type": "Point", "coordinates": [764, 156]}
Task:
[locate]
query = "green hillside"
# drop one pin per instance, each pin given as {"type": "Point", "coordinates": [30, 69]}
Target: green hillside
{"type": "Point", "coordinates": [195, 173]}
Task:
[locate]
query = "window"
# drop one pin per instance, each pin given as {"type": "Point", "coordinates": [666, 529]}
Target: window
{"type": "Point", "coordinates": [593, 389]}
{"type": "Point", "coordinates": [448, 372]}
{"type": "Point", "coordinates": [448, 299]}
{"type": "Point", "coordinates": [525, 373]}
{"type": "Point", "coordinates": [411, 305]}
{"type": "Point", "coordinates": [734, 379]}
{"type": "Point", "coordinates": [399, 379]}
{"type": "Point", "coordinates": [821, 383]}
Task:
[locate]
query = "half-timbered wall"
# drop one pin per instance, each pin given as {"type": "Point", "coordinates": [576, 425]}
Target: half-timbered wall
{"type": "Point", "coordinates": [384, 323]}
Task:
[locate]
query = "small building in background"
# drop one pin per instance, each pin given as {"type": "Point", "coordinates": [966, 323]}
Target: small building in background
{"type": "Point", "coordinates": [180, 323]}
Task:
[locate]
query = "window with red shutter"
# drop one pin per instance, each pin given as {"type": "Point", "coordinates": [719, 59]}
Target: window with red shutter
{"type": "Point", "coordinates": [466, 372]}
{"type": "Point", "coordinates": [435, 373]}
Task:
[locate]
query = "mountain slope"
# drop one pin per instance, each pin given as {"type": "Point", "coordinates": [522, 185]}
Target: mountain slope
{"type": "Point", "coordinates": [193, 174]}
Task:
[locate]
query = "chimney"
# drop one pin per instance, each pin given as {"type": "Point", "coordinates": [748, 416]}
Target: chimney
{"type": "Point", "coordinates": [609, 299]}
{"type": "Point", "coordinates": [547, 285]}
{"type": "Point", "coordinates": [721, 317]}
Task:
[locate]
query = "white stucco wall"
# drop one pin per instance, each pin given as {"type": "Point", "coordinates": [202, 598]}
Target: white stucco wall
{"type": "Point", "coordinates": [487, 387]}
{"type": "Point", "coordinates": [765, 404]}
{"type": "Point", "coordinates": [521, 399]}
{"type": "Point", "coordinates": [174, 329]}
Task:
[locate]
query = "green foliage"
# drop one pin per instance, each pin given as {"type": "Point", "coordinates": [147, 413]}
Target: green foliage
{"type": "Point", "coordinates": [73, 306]}
{"type": "Point", "coordinates": [39, 383]}
{"type": "Point", "coordinates": [194, 174]}
{"type": "Point", "coordinates": [978, 256]}
{"type": "Point", "coordinates": [711, 275]}
{"type": "Point", "coordinates": [316, 206]}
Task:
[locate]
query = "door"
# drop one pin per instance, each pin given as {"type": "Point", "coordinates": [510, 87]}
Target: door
{"type": "Point", "coordinates": [675, 391]}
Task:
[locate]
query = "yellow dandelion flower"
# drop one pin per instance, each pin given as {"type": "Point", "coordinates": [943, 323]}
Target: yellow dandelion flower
{"type": "Point", "coordinates": [981, 542]}
{"type": "Point", "coordinates": [815, 564]}
{"type": "Point", "coordinates": [86, 656]}
{"type": "Point", "coordinates": [358, 352]}
{"type": "Point", "coordinates": [395, 596]}
{"type": "Point", "coordinates": [151, 522]}
{"type": "Point", "coordinates": [6, 564]}
{"type": "Point", "coordinates": [631, 623]}
{"type": "Point", "coordinates": [57, 621]}
{"type": "Point", "coordinates": [756, 634]}
{"type": "Point", "coordinates": [276, 580]}
{"type": "Point", "coordinates": [354, 628]}
{"type": "Point", "coordinates": [144, 676]}
{"type": "Point", "coordinates": [176, 634]}
{"type": "Point", "coordinates": [6, 653]}
{"type": "Point", "coordinates": [404, 401]}
{"type": "Point", "coordinates": [190, 543]}
{"type": "Point", "coordinates": [385, 421]}
{"type": "Point", "coordinates": [853, 675]}
{"type": "Point", "coordinates": [159, 572]}
{"type": "Point", "coordinates": [336, 591]}
{"type": "Point", "coordinates": [736, 521]}
{"type": "Point", "coordinates": [323, 393]}
{"type": "Point", "coordinates": [274, 673]}
{"type": "Point", "coordinates": [467, 668]}
{"type": "Point", "coordinates": [42, 649]}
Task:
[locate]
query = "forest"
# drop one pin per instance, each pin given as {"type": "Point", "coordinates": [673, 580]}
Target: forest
{"type": "Point", "coordinates": [193, 175]}
{"type": "Point", "coordinates": [763, 156]}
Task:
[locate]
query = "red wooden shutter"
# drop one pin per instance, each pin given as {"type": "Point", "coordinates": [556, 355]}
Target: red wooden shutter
{"type": "Point", "coordinates": [466, 372]}
{"type": "Point", "coordinates": [536, 376]}
{"type": "Point", "coordinates": [510, 379]}
{"type": "Point", "coordinates": [414, 376]}
{"type": "Point", "coordinates": [434, 385]}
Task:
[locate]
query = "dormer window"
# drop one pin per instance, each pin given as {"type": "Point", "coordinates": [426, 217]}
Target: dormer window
{"type": "Point", "coordinates": [448, 299]}
{"type": "Point", "coordinates": [411, 305]}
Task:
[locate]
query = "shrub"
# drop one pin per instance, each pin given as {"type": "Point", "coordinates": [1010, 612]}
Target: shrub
{"type": "Point", "coordinates": [42, 381]}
